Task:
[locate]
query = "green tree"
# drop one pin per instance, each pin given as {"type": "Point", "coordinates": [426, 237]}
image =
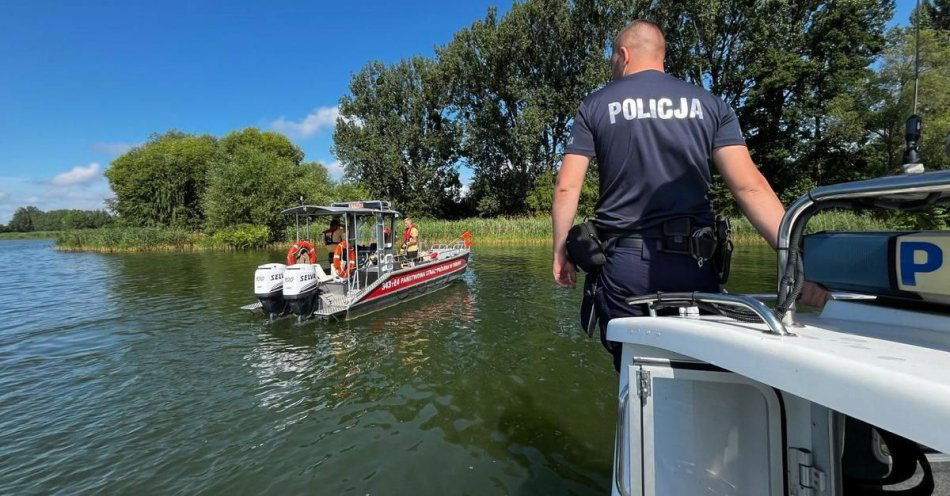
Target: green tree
{"type": "Point", "coordinates": [395, 136]}
{"type": "Point", "coordinates": [938, 12]}
{"type": "Point", "coordinates": [872, 117]}
{"type": "Point", "coordinates": [257, 175]}
{"type": "Point", "coordinates": [267, 142]}
{"type": "Point", "coordinates": [24, 219]}
{"type": "Point", "coordinates": [82, 219]}
{"type": "Point", "coordinates": [783, 66]}
{"type": "Point", "coordinates": [33, 219]}
{"type": "Point", "coordinates": [160, 183]}
{"type": "Point", "coordinates": [540, 198]}
{"type": "Point", "coordinates": [516, 82]}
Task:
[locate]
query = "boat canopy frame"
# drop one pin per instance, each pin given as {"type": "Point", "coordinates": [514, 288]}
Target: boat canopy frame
{"type": "Point", "coordinates": [902, 192]}
{"type": "Point", "coordinates": [351, 212]}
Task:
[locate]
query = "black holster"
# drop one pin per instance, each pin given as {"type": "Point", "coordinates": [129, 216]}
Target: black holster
{"type": "Point", "coordinates": [589, 315]}
{"type": "Point", "coordinates": [584, 247]}
{"type": "Point", "coordinates": [722, 259]}
{"type": "Point", "coordinates": [704, 244]}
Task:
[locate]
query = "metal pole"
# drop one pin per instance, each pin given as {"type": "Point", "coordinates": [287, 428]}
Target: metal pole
{"type": "Point", "coordinates": [916, 52]}
{"type": "Point", "coordinates": [791, 216]}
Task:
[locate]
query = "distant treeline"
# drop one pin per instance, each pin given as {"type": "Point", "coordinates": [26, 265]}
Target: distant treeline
{"type": "Point", "coordinates": [30, 219]}
{"type": "Point", "coordinates": [822, 89]}
{"type": "Point", "coordinates": [204, 183]}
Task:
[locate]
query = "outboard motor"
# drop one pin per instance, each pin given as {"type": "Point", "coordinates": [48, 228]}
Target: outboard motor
{"type": "Point", "coordinates": [300, 289]}
{"type": "Point", "coordinates": [268, 287]}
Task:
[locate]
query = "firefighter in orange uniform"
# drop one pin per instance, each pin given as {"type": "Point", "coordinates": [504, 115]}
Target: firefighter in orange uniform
{"type": "Point", "coordinates": [410, 239]}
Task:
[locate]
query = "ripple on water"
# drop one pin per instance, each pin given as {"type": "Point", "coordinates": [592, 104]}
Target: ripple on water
{"type": "Point", "coordinates": [137, 373]}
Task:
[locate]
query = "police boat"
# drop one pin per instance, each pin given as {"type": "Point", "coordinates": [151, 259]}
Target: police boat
{"type": "Point", "coordinates": [367, 271]}
{"type": "Point", "coordinates": [743, 395]}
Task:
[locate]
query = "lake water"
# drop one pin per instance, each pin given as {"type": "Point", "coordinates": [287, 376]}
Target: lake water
{"type": "Point", "coordinates": [139, 374]}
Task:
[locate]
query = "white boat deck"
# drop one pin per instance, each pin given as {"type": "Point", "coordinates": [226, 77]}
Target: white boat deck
{"type": "Point", "coordinates": [875, 364]}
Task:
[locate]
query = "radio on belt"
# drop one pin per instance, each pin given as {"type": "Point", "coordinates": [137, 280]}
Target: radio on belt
{"type": "Point", "coordinates": [909, 265]}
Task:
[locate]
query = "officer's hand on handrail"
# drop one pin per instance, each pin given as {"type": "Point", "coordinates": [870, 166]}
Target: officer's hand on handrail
{"type": "Point", "coordinates": [814, 295]}
{"type": "Point", "coordinates": [565, 275]}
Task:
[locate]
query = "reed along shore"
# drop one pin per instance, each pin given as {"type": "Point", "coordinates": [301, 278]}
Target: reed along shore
{"type": "Point", "coordinates": [494, 231]}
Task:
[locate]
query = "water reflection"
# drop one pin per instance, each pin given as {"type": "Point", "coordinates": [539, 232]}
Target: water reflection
{"type": "Point", "coordinates": [144, 376]}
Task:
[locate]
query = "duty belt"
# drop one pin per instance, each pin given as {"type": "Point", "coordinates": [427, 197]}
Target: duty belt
{"type": "Point", "coordinates": [648, 233]}
{"type": "Point", "coordinates": [679, 236]}
{"type": "Point", "coordinates": [704, 243]}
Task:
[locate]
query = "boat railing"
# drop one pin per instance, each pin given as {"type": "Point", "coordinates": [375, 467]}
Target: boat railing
{"type": "Point", "coordinates": [753, 308]}
{"type": "Point", "coordinates": [902, 192]}
{"type": "Point", "coordinates": [449, 249]}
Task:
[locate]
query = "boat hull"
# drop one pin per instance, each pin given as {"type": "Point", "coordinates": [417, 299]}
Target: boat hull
{"type": "Point", "coordinates": [409, 283]}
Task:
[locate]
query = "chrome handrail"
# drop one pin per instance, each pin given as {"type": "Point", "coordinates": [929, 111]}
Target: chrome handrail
{"type": "Point", "coordinates": [890, 186]}
{"type": "Point", "coordinates": [620, 471]}
{"type": "Point", "coordinates": [760, 309]}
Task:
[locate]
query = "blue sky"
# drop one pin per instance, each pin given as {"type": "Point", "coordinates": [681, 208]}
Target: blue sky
{"type": "Point", "coordinates": [83, 81]}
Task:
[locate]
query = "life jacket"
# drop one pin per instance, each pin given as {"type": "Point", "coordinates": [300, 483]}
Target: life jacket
{"type": "Point", "coordinates": [407, 235]}
{"type": "Point", "coordinates": [328, 236]}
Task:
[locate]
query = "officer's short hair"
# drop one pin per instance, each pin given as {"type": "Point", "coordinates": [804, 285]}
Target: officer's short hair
{"type": "Point", "coordinates": [640, 24]}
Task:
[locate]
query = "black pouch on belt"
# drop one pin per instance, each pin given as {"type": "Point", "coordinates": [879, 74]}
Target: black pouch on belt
{"type": "Point", "coordinates": [722, 260]}
{"type": "Point", "coordinates": [676, 234]}
{"type": "Point", "coordinates": [584, 247]}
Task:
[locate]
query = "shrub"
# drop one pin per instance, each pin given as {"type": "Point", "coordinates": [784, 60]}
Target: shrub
{"type": "Point", "coordinates": [242, 236]}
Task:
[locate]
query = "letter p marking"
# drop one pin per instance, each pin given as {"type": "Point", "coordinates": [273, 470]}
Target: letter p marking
{"type": "Point", "coordinates": [613, 108]}
{"type": "Point", "coordinates": [932, 260]}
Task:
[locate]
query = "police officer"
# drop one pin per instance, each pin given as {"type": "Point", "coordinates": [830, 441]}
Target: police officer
{"type": "Point", "coordinates": [654, 136]}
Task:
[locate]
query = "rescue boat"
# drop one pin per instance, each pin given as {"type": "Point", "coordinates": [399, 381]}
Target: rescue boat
{"type": "Point", "coordinates": [368, 272]}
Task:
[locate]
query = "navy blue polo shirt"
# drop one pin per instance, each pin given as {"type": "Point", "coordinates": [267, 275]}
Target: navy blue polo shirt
{"type": "Point", "coordinates": [653, 136]}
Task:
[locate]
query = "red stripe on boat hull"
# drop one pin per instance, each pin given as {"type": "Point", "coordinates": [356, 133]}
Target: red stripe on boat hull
{"type": "Point", "coordinates": [412, 278]}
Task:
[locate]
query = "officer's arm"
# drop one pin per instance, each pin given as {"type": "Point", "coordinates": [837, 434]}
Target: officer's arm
{"type": "Point", "coordinates": [567, 191]}
{"type": "Point", "coordinates": [751, 190]}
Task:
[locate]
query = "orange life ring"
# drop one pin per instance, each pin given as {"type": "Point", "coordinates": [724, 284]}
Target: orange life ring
{"type": "Point", "coordinates": [338, 257]}
{"type": "Point", "coordinates": [295, 248]}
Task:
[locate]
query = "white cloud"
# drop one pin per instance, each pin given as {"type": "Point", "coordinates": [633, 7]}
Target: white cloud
{"type": "Point", "coordinates": [77, 175]}
{"type": "Point", "coordinates": [320, 118]}
{"type": "Point", "coordinates": [21, 192]}
{"type": "Point", "coordinates": [356, 121]}
{"type": "Point", "coordinates": [112, 148]}
{"type": "Point", "coordinates": [335, 169]}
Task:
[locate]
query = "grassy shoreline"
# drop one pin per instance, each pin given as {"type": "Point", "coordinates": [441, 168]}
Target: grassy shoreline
{"type": "Point", "coordinates": [29, 235]}
{"type": "Point", "coordinates": [498, 231]}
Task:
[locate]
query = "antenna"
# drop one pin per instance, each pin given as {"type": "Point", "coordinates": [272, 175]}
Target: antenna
{"type": "Point", "coordinates": [916, 53]}
{"type": "Point", "coordinates": [912, 129]}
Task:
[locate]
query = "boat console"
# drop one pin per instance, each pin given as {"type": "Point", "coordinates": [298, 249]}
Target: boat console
{"type": "Point", "coordinates": [744, 395]}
